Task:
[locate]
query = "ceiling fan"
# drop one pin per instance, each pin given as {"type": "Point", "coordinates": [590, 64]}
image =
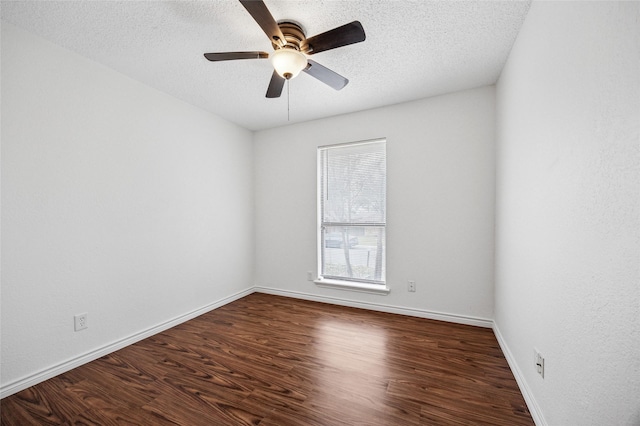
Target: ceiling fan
{"type": "Point", "coordinates": [291, 48]}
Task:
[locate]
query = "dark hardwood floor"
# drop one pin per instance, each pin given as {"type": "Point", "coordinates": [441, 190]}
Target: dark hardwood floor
{"type": "Point", "coordinates": [269, 360]}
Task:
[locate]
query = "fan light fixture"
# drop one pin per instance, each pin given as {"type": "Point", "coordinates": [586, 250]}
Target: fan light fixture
{"type": "Point", "coordinates": [288, 62]}
{"type": "Point", "coordinates": [292, 48]}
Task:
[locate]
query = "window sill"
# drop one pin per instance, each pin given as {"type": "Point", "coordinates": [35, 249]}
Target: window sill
{"type": "Point", "coordinates": [348, 285]}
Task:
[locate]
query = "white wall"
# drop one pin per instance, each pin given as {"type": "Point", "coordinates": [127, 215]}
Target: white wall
{"type": "Point", "coordinates": [568, 210]}
{"type": "Point", "coordinates": [117, 200]}
{"type": "Point", "coordinates": [440, 166]}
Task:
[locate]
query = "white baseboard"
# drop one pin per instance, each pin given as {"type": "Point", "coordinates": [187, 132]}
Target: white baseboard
{"type": "Point", "coordinates": [421, 313]}
{"type": "Point", "coordinates": [41, 376]}
{"type": "Point", "coordinates": [533, 406]}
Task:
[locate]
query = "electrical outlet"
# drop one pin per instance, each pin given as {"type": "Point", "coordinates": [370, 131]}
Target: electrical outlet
{"type": "Point", "coordinates": [309, 276]}
{"type": "Point", "coordinates": [412, 286]}
{"type": "Point", "coordinates": [539, 360]}
{"type": "Point", "coordinates": [80, 322]}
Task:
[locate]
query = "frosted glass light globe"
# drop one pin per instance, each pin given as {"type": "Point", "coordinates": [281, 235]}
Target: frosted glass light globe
{"type": "Point", "coordinates": [288, 62]}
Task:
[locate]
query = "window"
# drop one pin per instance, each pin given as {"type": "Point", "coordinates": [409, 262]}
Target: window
{"type": "Point", "coordinates": [352, 214]}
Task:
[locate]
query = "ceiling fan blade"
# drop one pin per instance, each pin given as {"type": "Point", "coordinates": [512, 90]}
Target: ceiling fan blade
{"type": "Point", "coordinates": [258, 10]}
{"type": "Point", "coordinates": [342, 36]}
{"type": "Point", "coordinates": [325, 75]}
{"type": "Point", "coordinates": [230, 56]}
{"type": "Point", "coordinates": [275, 86]}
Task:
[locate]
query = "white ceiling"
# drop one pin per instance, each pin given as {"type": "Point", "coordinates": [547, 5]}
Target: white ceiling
{"type": "Point", "coordinates": [414, 49]}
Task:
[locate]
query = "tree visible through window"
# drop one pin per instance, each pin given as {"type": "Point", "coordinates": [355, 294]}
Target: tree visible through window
{"type": "Point", "coordinates": [352, 211]}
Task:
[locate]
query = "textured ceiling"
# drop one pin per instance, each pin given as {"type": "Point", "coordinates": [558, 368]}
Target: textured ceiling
{"type": "Point", "coordinates": [414, 49]}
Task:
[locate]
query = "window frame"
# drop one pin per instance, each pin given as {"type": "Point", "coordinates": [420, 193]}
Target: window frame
{"type": "Point", "coordinates": [339, 282]}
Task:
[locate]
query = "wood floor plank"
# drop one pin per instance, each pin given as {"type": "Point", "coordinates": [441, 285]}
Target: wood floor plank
{"type": "Point", "coordinates": [268, 360]}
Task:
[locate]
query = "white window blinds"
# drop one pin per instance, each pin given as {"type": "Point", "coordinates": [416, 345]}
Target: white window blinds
{"type": "Point", "coordinates": [352, 211]}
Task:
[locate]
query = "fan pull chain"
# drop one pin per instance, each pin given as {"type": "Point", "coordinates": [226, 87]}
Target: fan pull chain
{"type": "Point", "coordinates": [288, 100]}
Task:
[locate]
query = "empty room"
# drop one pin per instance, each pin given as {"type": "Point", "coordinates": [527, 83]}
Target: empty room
{"type": "Point", "coordinates": [333, 212]}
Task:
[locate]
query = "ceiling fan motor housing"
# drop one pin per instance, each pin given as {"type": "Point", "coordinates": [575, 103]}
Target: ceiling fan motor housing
{"type": "Point", "coordinates": [294, 35]}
